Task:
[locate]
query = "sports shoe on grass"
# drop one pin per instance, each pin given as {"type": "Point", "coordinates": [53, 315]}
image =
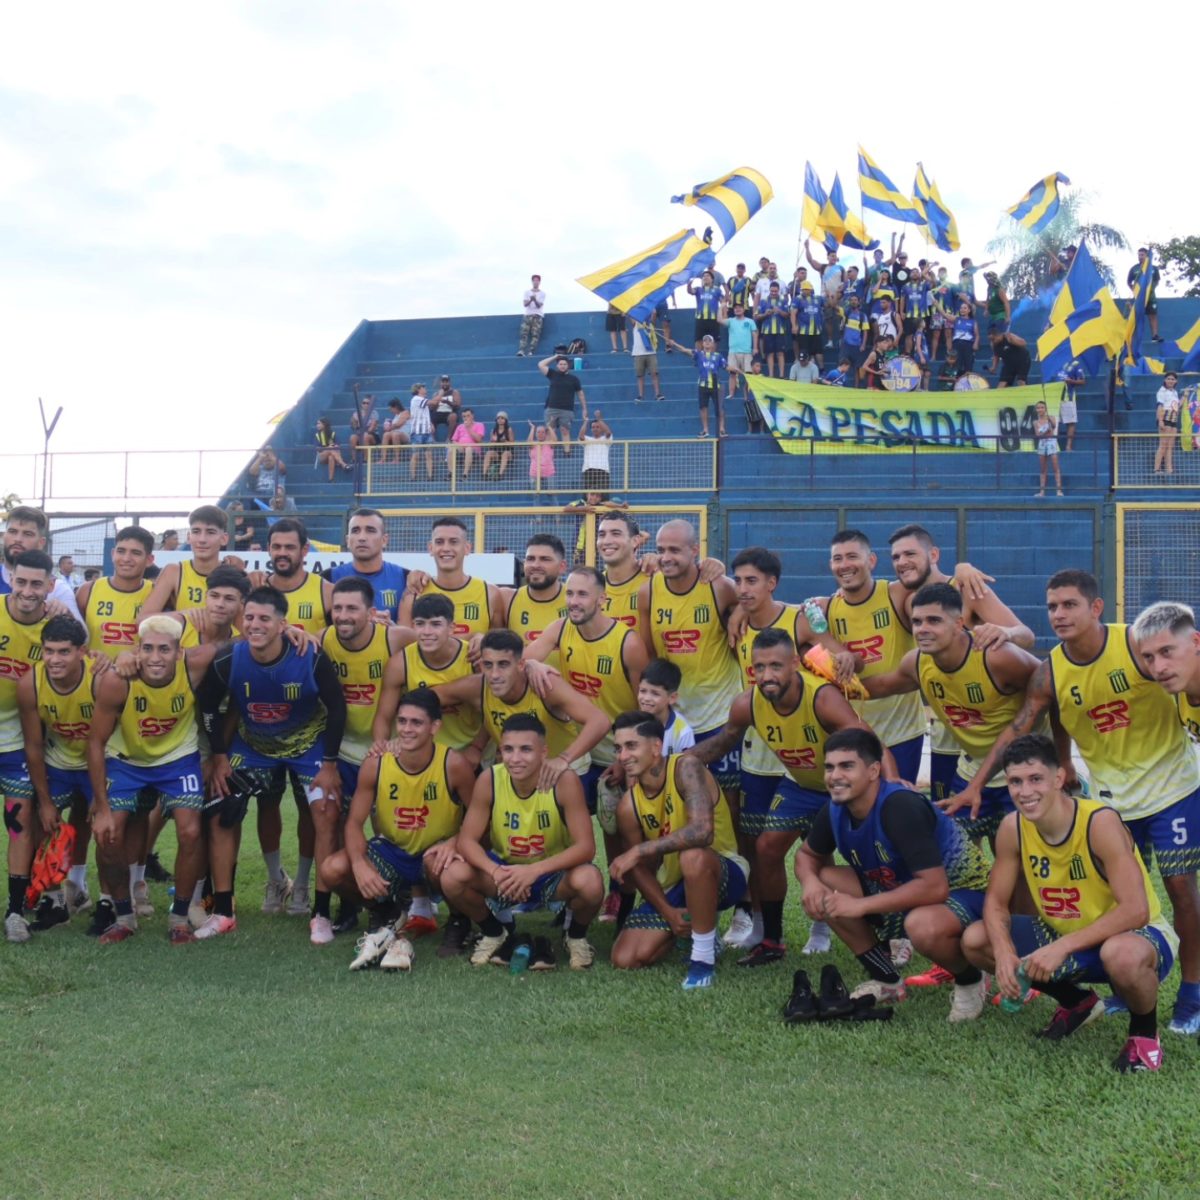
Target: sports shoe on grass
{"type": "Point", "coordinates": [818, 939]}
{"type": "Point", "coordinates": [884, 993]}
{"type": "Point", "coordinates": [398, 957]}
{"type": "Point", "coordinates": [78, 899]}
{"type": "Point", "coordinates": [1185, 1020]}
{"type": "Point", "coordinates": [16, 928]}
{"type": "Point", "coordinates": [215, 926]}
{"type": "Point", "coordinates": [49, 913]}
{"type": "Point", "coordinates": [1066, 1020]}
{"type": "Point", "coordinates": [276, 894]}
{"type": "Point", "coordinates": [542, 958]}
{"type": "Point", "coordinates": [155, 871]}
{"type": "Point", "coordinates": [699, 975]}
{"type": "Point", "coordinates": [419, 927]}
{"type": "Point", "coordinates": [371, 947]}
{"type": "Point", "coordinates": [1139, 1054]}
{"type": "Point", "coordinates": [901, 950]}
{"type": "Point", "coordinates": [454, 937]}
{"type": "Point", "coordinates": [120, 930]}
{"type": "Point", "coordinates": [935, 977]}
{"type": "Point", "coordinates": [299, 903]}
{"type": "Point", "coordinates": [143, 906]}
{"type": "Point", "coordinates": [763, 954]}
{"type": "Point", "coordinates": [740, 933]}
{"type": "Point", "coordinates": [801, 1005]}
{"type": "Point", "coordinates": [580, 953]}
{"type": "Point", "coordinates": [610, 908]}
{"type": "Point", "coordinates": [967, 999]}
{"type": "Point", "coordinates": [103, 915]}
{"type": "Point", "coordinates": [346, 920]}
{"type": "Point", "coordinates": [180, 933]}
{"type": "Point", "coordinates": [485, 948]}
{"type": "Point", "coordinates": [320, 931]}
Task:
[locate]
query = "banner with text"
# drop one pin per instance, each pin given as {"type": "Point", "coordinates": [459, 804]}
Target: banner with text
{"type": "Point", "coordinates": [811, 418]}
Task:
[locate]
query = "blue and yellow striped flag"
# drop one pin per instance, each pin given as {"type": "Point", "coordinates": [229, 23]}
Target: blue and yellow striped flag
{"type": "Point", "coordinates": [1039, 206]}
{"type": "Point", "coordinates": [813, 204]}
{"type": "Point", "coordinates": [731, 200]}
{"type": "Point", "coordinates": [841, 225]}
{"type": "Point", "coordinates": [882, 195]}
{"type": "Point", "coordinates": [1188, 347]}
{"type": "Point", "coordinates": [636, 284]}
{"type": "Point", "coordinates": [1082, 284]}
{"type": "Point", "coordinates": [1092, 334]}
{"type": "Point", "coordinates": [940, 226]}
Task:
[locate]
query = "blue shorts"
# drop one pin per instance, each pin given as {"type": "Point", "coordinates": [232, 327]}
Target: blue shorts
{"type": "Point", "coordinates": [1171, 837]}
{"type": "Point", "coordinates": [997, 804]}
{"type": "Point", "coordinates": [541, 894]}
{"type": "Point", "coordinates": [14, 776]}
{"type": "Point", "coordinates": [942, 769]}
{"type": "Point", "coordinates": [757, 793]}
{"type": "Point", "coordinates": [591, 785]}
{"type": "Point", "coordinates": [908, 757]}
{"type": "Point", "coordinates": [178, 784]}
{"type": "Point", "coordinates": [1031, 933]}
{"type": "Point", "coordinates": [67, 785]}
{"type": "Point", "coordinates": [395, 865]}
{"type": "Point", "coordinates": [965, 903]}
{"type": "Point", "coordinates": [773, 343]}
{"type": "Point", "coordinates": [732, 889]}
{"type": "Point", "coordinates": [274, 771]}
{"type": "Point", "coordinates": [349, 776]}
{"type": "Point", "coordinates": [789, 807]}
{"type": "Point", "coordinates": [727, 768]}
{"type": "Point", "coordinates": [421, 439]}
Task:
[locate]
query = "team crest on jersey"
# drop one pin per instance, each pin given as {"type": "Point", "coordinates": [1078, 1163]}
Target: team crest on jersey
{"type": "Point", "coordinates": [604, 664]}
{"type": "Point", "coordinates": [701, 614]}
{"type": "Point", "coordinates": [430, 794]}
{"type": "Point", "coordinates": [810, 734]}
{"type": "Point", "coordinates": [470, 612]}
{"type": "Point", "coordinates": [881, 853]}
{"type": "Point", "coordinates": [86, 710]}
{"type": "Point", "coordinates": [975, 693]}
{"type": "Point", "coordinates": [1118, 680]}
{"type": "Point", "coordinates": [374, 669]}
{"type": "Point", "coordinates": [291, 691]}
{"type": "Point", "coordinates": [1077, 870]}
{"type": "Point", "coordinates": [881, 618]}
{"type": "Point", "coordinates": [304, 611]}
{"type": "Point", "coordinates": [177, 703]}
{"type": "Point", "coordinates": [389, 598]}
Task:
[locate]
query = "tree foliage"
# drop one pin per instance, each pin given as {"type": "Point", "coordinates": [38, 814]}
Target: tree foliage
{"type": "Point", "coordinates": [1031, 255]}
{"type": "Point", "coordinates": [1179, 262]}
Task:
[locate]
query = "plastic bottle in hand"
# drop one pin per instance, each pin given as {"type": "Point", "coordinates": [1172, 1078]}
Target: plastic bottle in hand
{"type": "Point", "coordinates": [1007, 1003]}
{"type": "Point", "coordinates": [520, 955]}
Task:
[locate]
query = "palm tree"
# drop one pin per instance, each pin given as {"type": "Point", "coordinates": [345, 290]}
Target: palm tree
{"type": "Point", "coordinates": [1030, 254]}
{"type": "Point", "coordinates": [8, 502]}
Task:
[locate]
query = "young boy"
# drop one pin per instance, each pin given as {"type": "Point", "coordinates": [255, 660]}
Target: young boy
{"type": "Point", "coordinates": [875, 364]}
{"type": "Point", "coordinates": [657, 694]}
{"type": "Point", "coordinates": [839, 376]}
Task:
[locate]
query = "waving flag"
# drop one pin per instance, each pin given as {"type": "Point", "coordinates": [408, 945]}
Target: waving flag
{"type": "Point", "coordinates": [1188, 346]}
{"type": "Point", "coordinates": [882, 195]}
{"type": "Point", "coordinates": [636, 284]}
{"type": "Point", "coordinates": [731, 200]}
{"type": "Point", "coordinates": [842, 226]}
{"type": "Point", "coordinates": [940, 226]}
{"type": "Point", "coordinates": [1039, 206]}
{"type": "Point", "coordinates": [1135, 324]}
{"type": "Point", "coordinates": [1081, 285]}
{"type": "Point", "coordinates": [1092, 334]}
{"type": "Point", "coordinates": [814, 202]}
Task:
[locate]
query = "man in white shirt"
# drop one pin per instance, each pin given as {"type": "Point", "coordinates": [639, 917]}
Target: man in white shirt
{"type": "Point", "coordinates": [642, 345]}
{"type": "Point", "coordinates": [26, 530]}
{"type": "Point", "coordinates": [534, 304]}
{"type": "Point", "coordinates": [596, 446]}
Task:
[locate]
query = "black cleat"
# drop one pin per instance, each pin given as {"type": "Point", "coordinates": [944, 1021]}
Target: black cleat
{"type": "Point", "coordinates": [1066, 1020]}
{"type": "Point", "coordinates": [103, 915]}
{"type": "Point", "coordinates": [834, 1001]}
{"type": "Point", "coordinates": [800, 1004]}
{"type": "Point", "coordinates": [542, 958]}
{"type": "Point", "coordinates": [155, 871]}
{"type": "Point", "coordinates": [347, 918]}
{"type": "Point", "coordinates": [454, 937]}
{"type": "Point", "coordinates": [48, 914]}
{"type": "Point", "coordinates": [865, 1009]}
{"type": "Point", "coordinates": [763, 954]}
{"type": "Point", "coordinates": [503, 956]}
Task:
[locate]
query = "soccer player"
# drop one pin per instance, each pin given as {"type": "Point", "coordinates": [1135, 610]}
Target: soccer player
{"type": "Point", "coordinates": [477, 604]}
{"type": "Point", "coordinates": [367, 539]}
{"type": "Point", "coordinates": [290, 717]}
{"type": "Point", "coordinates": [22, 618]}
{"type": "Point", "coordinates": [1098, 919]}
{"type": "Point", "coordinates": [414, 794]}
{"type": "Point", "coordinates": [913, 873]}
{"type": "Point", "coordinates": [183, 584]}
{"type": "Point", "coordinates": [617, 541]}
{"type": "Point", "coordinates": [25, 529]}
{"type": "Point", "coordinates": [216, 621]}
{"type": "Point", "coordinates": [682, 619]}
{"type": "Point", "coordinates": [1169, 645]}
{"type": "Point", "coordinates": [56, 703]}
{"type": "Point", "coordinates": [309, 597]}
{"type": "Point", "coordinates": [112, 606]}
{"type": "Point", "coordinates": [539, 602]}
{"type": "Point", "coordinates": [143, 749]}
{"type": "Point", "coordinates": [1138, 755]}
{"type": "Point", "coordinates": [541, 846]}
{"type": "Point", "coordinates": [793, 713]}
{"type": "Point", "coordinates": [682, 854]}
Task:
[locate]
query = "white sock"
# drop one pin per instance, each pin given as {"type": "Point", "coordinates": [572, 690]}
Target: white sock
{"type": "Point", "coordinates": [105, 896]}
{"type": "Point", "coordinates": [78, 876]}
{"type": "Point", "coordinates": [757, 925]}
{"type": "Point", "coordinates": [819, 932]}
{"type": "Point", "coordinates": [137, 874]}
{"type": "Point", "coordinates": [274, 865]}
{"type": "Point", "coordinates": [198, 892]}
{"type": "Point", "coordinates": [704, 947]}
{"type": "Point", "coordinates": [421, 906]}
{"type": "Point", "coordinates": [303, 870]}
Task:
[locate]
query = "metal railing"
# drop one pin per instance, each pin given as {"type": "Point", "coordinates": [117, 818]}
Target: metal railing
{"type": "Point", "coordinates": [528, 469]}
{"type": "Point", "coordinates": [1134, 456]}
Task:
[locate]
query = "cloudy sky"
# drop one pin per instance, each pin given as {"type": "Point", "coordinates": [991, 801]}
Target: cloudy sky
{"type": "Point", "coordinates": [198, 203]}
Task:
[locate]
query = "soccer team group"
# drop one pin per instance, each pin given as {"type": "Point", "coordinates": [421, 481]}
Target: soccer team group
{"type": "Point", "coordinates": [450, 741]}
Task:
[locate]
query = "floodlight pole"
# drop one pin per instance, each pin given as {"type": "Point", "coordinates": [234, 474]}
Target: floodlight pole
{"type": "Point", "coordinates": [48, 431]}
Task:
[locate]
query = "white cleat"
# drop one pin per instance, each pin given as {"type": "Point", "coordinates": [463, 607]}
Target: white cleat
{"type": "Point", "coordinates": [16, 928]}
{"type": "Point", "coordinates": [399, 956]}
{"type": "Point", "coordinates": [741, 931]}
{"type": "Point", "coordinates": [967, 1000]}
{"type": "Point", "coordinates": [818, 939]}
{"type": "Point", "coordinates": [78, 899]}
{"type": "Point", "coordinates": [197, 914]}
{"type": "Point", "coordinates": [276, 894]}
{"type": "Point", "coordinates": [299, 903]}
{"type": "Point", "coordinates": [320, 931]}
{"type": "Point", "coordinates": [371, 947]}
{"type": "Point", "coordinates": [901, 951]}
{"type": "Point", "coordinates": [884, 993]}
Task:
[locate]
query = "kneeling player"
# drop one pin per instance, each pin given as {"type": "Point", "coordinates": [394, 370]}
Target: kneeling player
{"type": "Point", "coordinates": [683, 854]}
{"type": "Point", "coordinates": [1098, 919]}
{"type": "Point", "coordinates": [542, 846]}
{"type": "Point", "coordinates": [913, 873]}
{"type": "Point", "coordinates": [414, 794]}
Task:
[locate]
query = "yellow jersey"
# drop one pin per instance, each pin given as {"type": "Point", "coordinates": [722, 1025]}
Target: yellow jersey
{"type": "Point", "coordinates": [361, 676]}
{"type": "Point", "coordinates": [416, 810]}
{"type": "Point", "coordinates": [193, 586]}
{"type": "Point", "coordinates": [1189, 714]}
{"type": "Point", "coordinates": [20, 649]}
{"type": "Point", "coordinates": [66, 717]}
{"type": "Point", "coordinates": [665, 812]}
{"type": "Point", "coordinates": [528, 618]}
{"type": "Point", "coordinates": [757, 758]}
{"type": "Point", "coordinates": [158, 724]}
{"type": "Point", "coordinates": [596, 670]}
{"type": "Point", "coordinates": [795, 739]}
{"type": "Point", "coordinates": [974, 710]}
{"type": "Point", "coordinates": [559, 734]}
{"type": "Point", "coordinates": [872, 629]}
{"type": "Point", "coordinates": [460, 723]}
{"type": "Point", "coordinates": [1065, 880]}
{"type": "Point", "coordinates": [191, 635]}
{"type": "Point", "coordinates": [621, 599]}
{"type": "Point", "coordinates": [686, 627]}
{"type": "Point", "coordinates": [471, 612]}
{"type": "Point", "coordinates": [306, 604]}
{"type": "Point", "coordinates": [1138, 755]}
{"type": "Point", "coordinates": [112, 616]}
{"type": "Point", "coordinates": [525, 829]}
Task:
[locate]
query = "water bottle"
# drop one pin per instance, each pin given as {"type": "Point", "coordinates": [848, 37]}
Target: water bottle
{"type": "Point", "coordinates": [520, 958]}
{"type": "Point", "coordinates": [1007, 1003]}
{"type": "Point", "coordinates": [171, 891]}
{"type": "Point", "coordinates": [578, 364]}
{"type": "Point", "coordinates": [815, 617]}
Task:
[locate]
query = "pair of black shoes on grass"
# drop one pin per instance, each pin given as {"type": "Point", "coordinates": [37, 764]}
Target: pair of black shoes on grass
{"type": "Point", "coordinates": [832, 1002]}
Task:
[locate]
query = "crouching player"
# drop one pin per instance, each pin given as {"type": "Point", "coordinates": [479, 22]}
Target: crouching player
{"type": "Point", "coordinates": [414, 794]}
{"type": "Point", "coordinates": [913, 873]}
{"type": "Point", "coordinates": [1098, 919]}
{"type": "Point", "coordinates": [542, 846]}
{"type": "Point", "coordinates": [683, 853]}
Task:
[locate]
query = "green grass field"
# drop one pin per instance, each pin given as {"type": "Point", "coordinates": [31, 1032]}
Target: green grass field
{"type": "Point", "coordinates": [260, 1066]}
